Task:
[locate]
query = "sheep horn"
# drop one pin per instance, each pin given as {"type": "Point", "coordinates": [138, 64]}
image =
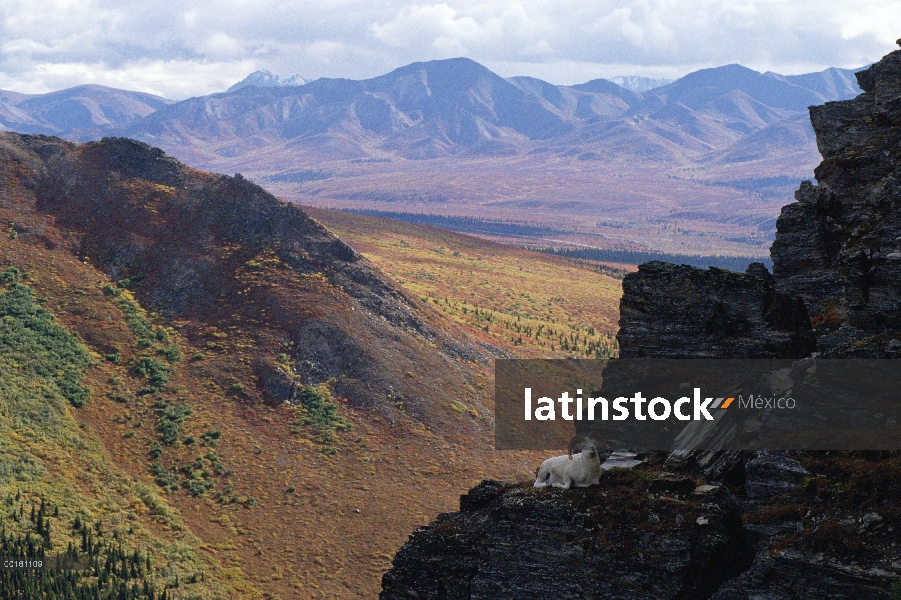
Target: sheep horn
{"type": "Point", "coordinates": [597, 437]}
{"type": "Point", "coordinates": [576, 441]}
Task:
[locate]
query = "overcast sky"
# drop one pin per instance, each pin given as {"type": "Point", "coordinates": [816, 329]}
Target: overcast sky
{"type": "Point", "coordinates": [191, 47]}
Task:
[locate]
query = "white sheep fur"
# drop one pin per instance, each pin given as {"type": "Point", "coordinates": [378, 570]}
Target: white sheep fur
{"type": "Point", "coordinates": [567, 471]}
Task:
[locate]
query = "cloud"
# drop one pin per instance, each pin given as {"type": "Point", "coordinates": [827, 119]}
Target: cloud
{"type": "Point", "coordinates": [190, 47]}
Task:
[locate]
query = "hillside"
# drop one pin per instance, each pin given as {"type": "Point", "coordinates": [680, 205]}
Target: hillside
{"type": "Point", "coordinates": [527, 303]}
{"type": "Point", "coordinates": [196, 305]}
{"type": "Point", "coordinates": [79, 113]}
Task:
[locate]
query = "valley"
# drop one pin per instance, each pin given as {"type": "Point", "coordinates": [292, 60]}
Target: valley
{"type": "Point", "coordinates": [529, 304]}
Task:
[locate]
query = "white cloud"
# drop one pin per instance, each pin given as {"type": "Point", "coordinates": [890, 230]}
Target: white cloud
{"type": "Point", "coordinates": [187, 47]}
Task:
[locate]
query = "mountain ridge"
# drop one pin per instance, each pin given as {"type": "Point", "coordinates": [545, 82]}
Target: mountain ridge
{"type": "Point", "coordinates": [421, 135]}
{"type": "Point", "coordinates": [454, 103]}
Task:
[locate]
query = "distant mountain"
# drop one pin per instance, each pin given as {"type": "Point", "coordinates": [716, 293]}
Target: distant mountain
{"type": "Point", "coordinates": [637, 83]}
{"type": "Point", "coordinates": [454, 107]}
{"type": "Point", "coordinates": [422, 110]}
{"type": "Point", "coordinates": [80, 113]}
{"type": "Point", "coordinates": [265, 78]}
{"type": "Point", "coordinates": [447, 107]}
{"type": "Point", "coordinates": [697, 90]}
{"type": "Point", "coordinates": [831, 83]}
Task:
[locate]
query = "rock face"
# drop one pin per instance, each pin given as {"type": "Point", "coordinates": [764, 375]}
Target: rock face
{"type": "Point", "coordinates": [839, 246]}
{"type": "Point", "coordinates": [818, 525]}
{"type": "Point", "coordinates": [677, 311]}
{"type": "Point", "coordinates": [607, 541]}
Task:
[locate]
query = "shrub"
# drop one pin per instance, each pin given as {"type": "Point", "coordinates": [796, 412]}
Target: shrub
{"type": "Point", "coordinates": [165, 478]}
{"type": "Point", "coordinates": [41, 348]}
{"type": "Point", "coordinates": [119, 397]}
{"type": "Point", "coordinates": [129, 282]}
{"type": "Point", "coordinates": [171, 420]}
{"type": "Point", "coordinates": [153, 370]}
{"type": "Point", "coordinates": [156, 450]}
{"type": "Point", "coordinates": [170, 353]}
{"type": "Point", "coordinates": [320, 409]}
{"type": "Point", "coordinates": [9, 275]}
{"type": "Point", "coordinates": [210, 437]}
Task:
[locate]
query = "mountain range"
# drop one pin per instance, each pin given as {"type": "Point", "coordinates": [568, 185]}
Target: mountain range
{"type": "Point", "coordinates": [712, 155]}
{"type": "Point", "coordinates": [444, 108]}
{"type": "Point", "coordinates": [82, 112]}
{"type": "Point", "coordinates": [437, 108]}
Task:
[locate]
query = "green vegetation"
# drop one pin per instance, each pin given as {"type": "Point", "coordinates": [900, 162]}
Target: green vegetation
{"type": "Point", "coordinates": [53, 471]}
{"type": "Point", "coordinates": [129, 282]}
{"type": "Point", "coordinates": [529, 303]}
{"type": "Point", "coordinates": [112, 570]}
{"type": "Point", "coordinates": [317, 410]}
{"type": "Point", "coordinates": [632, 257]}
{"type": "Point", "coordinates": [320, 410]}
{"type": "Point", "coordinates": [156, 373]}
{"type": "Point", "coordinates": [210, 438]}
{"type": "Point", "coordinates": [33, 346]}
{"type": "Point", "coordinates": [172, 417]}
{"type": "Point", "coordinates": [148, 336]}
{"type": "Point", "coordinates": [198, 477]}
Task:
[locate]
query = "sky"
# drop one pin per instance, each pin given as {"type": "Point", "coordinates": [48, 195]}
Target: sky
{"type": "Point", "coordinates": [184, 48]}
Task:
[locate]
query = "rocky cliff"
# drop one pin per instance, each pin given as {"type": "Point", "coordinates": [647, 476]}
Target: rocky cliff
{"type": "Point", "coordinates": [814, 525]}
{"type": "Point", "coordinates": [839, 246]}
{"type": "Point", "coordinates": [674, 540]}
{"type": "Point", "coordinates": [678, 311]}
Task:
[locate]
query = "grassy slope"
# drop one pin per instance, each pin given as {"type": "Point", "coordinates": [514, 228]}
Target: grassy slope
{"type": "Point", "coordinates": [504, 295]}
{"type": "Point", "coordinates": [50, 453]}
{"type": "Point", "coordinates": [284, 518]}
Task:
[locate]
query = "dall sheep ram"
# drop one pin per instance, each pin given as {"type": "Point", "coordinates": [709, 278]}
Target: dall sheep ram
{"type": "Point", "coordinates": [567, 471]}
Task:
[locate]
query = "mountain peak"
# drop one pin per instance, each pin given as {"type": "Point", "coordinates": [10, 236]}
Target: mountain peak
{"type": "Point", "coordinates": [264, 78]}
{"type": "Point", "coordinates": [637, 83]}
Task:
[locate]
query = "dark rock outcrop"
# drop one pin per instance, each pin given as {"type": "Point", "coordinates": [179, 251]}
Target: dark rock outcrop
{"type": "Point", "coordinates": [768, 474]}
{"type": "Point", "coordinates": [791, 575]}
{"type": "Point", "coordinates": [278, 385]}
{"type": "Point", "coordinates": [611, 541]}
{"type": "Point", "coordinates": [678, 311]}
{"type": "Point", "coordinates": [839, 246]}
